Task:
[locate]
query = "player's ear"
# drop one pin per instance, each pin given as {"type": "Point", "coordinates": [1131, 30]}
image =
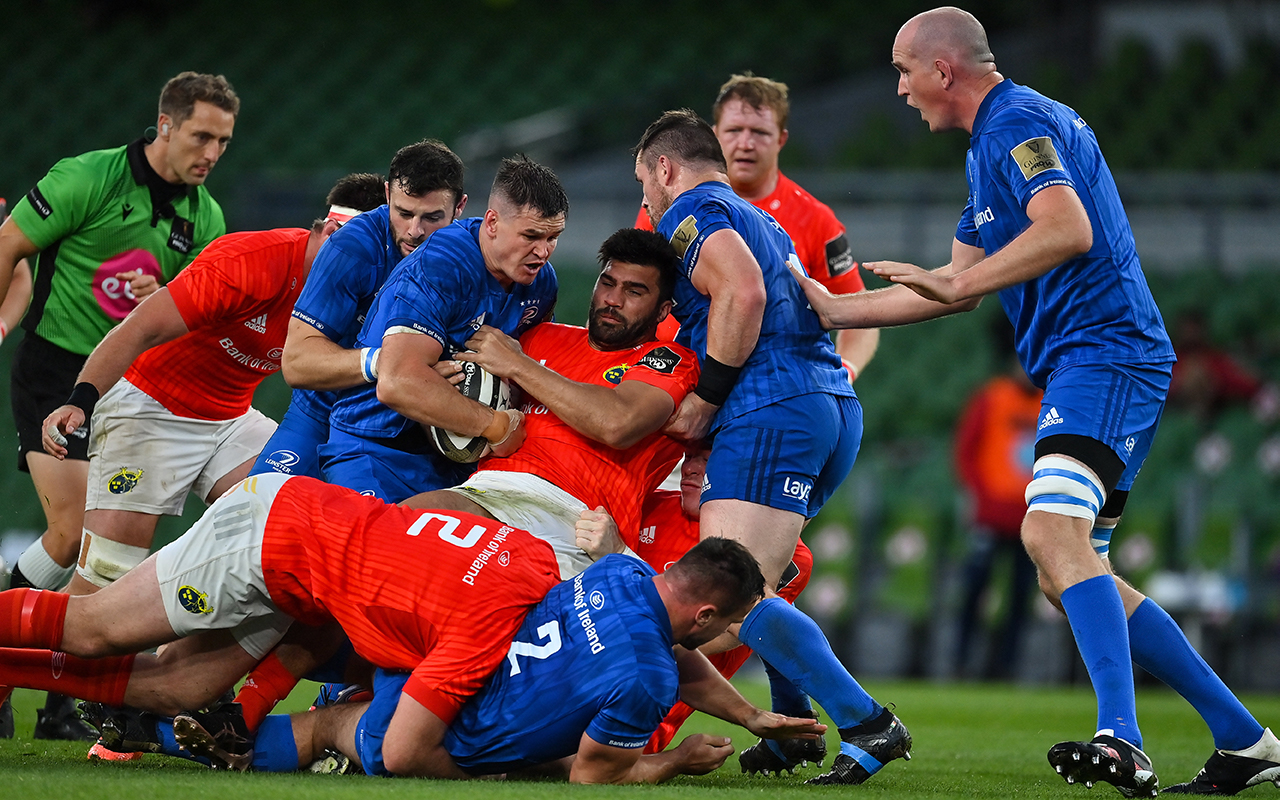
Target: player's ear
{"type": "Point", "coordinates": [491, 222]}
{"type": "Point", "coordinates": [664, 310]}
{"type": "Point", "coordinates": [782, 138]}
{"type": "Point", "coordinates": [457, 210]}
{"type": "Point", "coordinates": [705, 615]}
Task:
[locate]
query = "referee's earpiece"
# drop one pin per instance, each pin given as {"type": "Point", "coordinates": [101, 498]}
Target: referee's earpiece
{"type": "Point", "coordinates": [164, 129]}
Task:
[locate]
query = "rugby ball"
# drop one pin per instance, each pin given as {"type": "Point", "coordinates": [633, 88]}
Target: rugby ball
{"type": "Point", "coordinates": [477, 384]}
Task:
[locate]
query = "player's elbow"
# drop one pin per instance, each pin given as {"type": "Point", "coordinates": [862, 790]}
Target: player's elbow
{"type": "Point", "coordinates": [1081, 240]}
{"type": "Point", "coordinates": [291, 367]}
{"type": "Point", "coordinates": [399, 758]}
{"type": "Point", "coordinates": [392, 390]}
{"type": "Point", "coordinates": [620, 437]}
{"type": "Point", "coordinates": [751, 300]}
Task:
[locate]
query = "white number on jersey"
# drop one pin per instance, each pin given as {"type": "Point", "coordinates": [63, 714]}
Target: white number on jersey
{"type": "Point", "coordinates": [550, 631]}
{"type": "Point", "coordinates": [447, 527]}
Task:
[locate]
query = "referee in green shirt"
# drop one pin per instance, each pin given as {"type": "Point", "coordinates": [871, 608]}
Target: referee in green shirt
{"type": "Point", "coordinates": [101, 231]}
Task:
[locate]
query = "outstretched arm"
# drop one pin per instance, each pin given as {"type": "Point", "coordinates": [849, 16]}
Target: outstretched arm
{"type": "Point", "coordinates": [1060, 230]}
{"type": "Point", "coordinates": [600, 763]}
{"type": "Point", "coordinates": [704, 688]}
{"type": "Point", "coordinates": [155, 321]}
{"type": "Point", "coordinates": [891, 305]}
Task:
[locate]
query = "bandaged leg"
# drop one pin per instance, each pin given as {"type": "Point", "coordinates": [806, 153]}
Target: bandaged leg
{"type": "Point", "coordinates": [104, 561]}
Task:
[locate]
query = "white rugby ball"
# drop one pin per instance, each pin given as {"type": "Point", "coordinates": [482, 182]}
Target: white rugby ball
{"type": "Point", "coordinates": [479, 385]}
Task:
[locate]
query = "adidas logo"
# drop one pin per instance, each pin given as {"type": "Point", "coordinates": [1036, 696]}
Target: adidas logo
{"type": "Point", "coordinates": [1051, 418]}
{"type": "Point", "coordinates": [648, 534]}
{"type": "Point", "coordinates": [258, 324]}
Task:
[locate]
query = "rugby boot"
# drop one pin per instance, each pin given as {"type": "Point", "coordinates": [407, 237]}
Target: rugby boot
{"type": "Point", "coordinates": [60, 720]}
{"type": "Point", "coordinates": [773, 756]}
{"type": "Point", "coordinates": [122, 729]}
{"type": "Point", "coordinates": [1229, 771]}
{"type": "Point", "coordinates": [1105, 759]}
{"type": "Point", "coordinates": [220, 736]}
{"type": "Point", "coordinates": [333, 694]}
{"type": "Point", "coordinates": [865, 749]}
{"type": "Point", "coordinates": [6, 717]}
{"type": "Point", "coordinates": [333, 763]}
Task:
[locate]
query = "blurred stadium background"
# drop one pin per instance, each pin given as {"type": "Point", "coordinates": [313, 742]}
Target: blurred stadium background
{"type": "Point", "coordinates": [1184, 97]}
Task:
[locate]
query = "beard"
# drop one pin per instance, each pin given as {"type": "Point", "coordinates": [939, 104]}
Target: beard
{"type": "Point", "coordinates": [657, 207]}
{"type": "Point", "coordinates": [615, 333]}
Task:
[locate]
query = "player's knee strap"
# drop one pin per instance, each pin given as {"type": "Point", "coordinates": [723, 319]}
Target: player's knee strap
{"type": "Point", "coordinates": [1100, 538]}
{"type": "Point", "coordinates": [103, 561]}
{"type": "Point", "coordinates": [1061, 486]}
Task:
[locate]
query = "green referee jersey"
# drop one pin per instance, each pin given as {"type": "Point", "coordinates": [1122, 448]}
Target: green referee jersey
{"type": "Point", "coordinates": [91, 209]}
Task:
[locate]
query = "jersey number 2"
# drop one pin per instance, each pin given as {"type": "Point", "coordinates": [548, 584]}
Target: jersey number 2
{"type": "Point", "coordinates": [447, 527]}
{"type": "Point", "coordinates": [550, 632]}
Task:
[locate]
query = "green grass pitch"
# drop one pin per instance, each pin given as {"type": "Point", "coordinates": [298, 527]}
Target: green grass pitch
{"type": "Point", "coordinates": [972, 741]}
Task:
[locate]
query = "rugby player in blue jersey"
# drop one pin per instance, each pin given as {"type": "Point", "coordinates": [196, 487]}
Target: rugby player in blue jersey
{"type": "Point", "coordinates": [1044, 228]}
{"type": "Point", "coordinates": [423, 194]}
{"type": "Point", "coordinates": [491, 270]}
{"type": "Point", "coordinates": [776, 402]}
{"type": "Point", "coordinates": [591, 673]}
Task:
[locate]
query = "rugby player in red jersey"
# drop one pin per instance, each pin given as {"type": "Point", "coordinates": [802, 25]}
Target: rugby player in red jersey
{"type": "Point", "coordinates": [595, 401]}
{"type": "Point", "coordinates": [275, 550]}
{"type": "Point", "coordinates": [191, 356]}
{"type": "Point", "coordinates": [750, 120]}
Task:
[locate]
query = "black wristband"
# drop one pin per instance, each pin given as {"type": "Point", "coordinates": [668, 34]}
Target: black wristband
{"type": "Point", "coordinates": [84, 397]}
{"type": "Point", "coordinates": [716, 381]}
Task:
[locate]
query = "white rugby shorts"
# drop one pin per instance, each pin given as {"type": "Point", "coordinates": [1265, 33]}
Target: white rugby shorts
{"type": "Point", "coordinates": [538, 506]}
{"type": "Point", "coordinates": [211, 577]}
{"type": "Point", "coordinates": [144, 458]}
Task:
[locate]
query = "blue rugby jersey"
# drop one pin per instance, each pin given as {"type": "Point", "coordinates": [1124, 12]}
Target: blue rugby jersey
{"type": "Point", "coordinates": [793, 356]}
{"type": "Point", "coordinates": [347, 273]}
{"type": "Point", "coordinates": [594, 656]}
{"type": "Point", "coordinates": [444, 291]}
{"type": "Point", "coordinates": [1094, 309]}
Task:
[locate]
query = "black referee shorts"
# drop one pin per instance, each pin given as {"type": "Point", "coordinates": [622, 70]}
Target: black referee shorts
{"type": "Point", "coordinates": [42, 379]}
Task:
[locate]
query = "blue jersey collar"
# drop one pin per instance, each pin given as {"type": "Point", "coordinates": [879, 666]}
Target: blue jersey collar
{"type": "Point", "coordinates": [650, 593]}
{"type": "Point", "coordinates": [984, 108]}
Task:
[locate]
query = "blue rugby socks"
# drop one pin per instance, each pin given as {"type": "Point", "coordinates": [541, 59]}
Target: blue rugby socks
{"type": "Point", "coordinates": [1098, 622]}
{"type": "Point", "coordinates": [1160, 647]}
{"type": "Point", "coordinates": [785, 697]}
{"type": "Point", "coordinates": [274, 749]}
{"type": "Point", "coordinates": [793, 645]}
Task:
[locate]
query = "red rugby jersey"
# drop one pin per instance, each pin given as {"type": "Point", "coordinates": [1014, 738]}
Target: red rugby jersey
{"type": "Point", "coordinates": [236, 299]}
{"type": "Point", "coordinates": [595, 473]}
{"type": "Point", "coordinates": [438, 593]}
{"type": "Point", "coordinates": [666, 534]}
